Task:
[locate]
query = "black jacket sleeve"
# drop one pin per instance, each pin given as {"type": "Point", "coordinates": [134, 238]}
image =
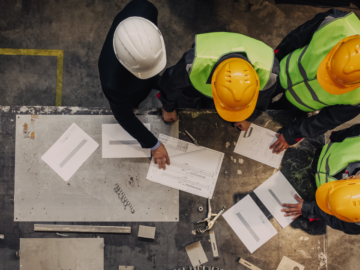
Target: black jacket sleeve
{"type": "Point", "coordinates": [328, 118]}
{"type": "Point", "coordinates": [122, 109]}
{"type": "Point", "coordinates": [263, 102]}
{"type": "Point", "coordinates": [312, 210]}
{"type": "Point", "coordinates": [265, 96]}
{"type": "Point", "coordinates": [339, 136]}
{"type": "Point", "coordinates": [174, 80]}
{"type": "Point", "coordinates": [302, 35]}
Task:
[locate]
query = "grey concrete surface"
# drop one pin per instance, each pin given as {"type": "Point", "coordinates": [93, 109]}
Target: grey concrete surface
{"type": "Point", "coordinates": [301, 241]}
{"type": "Point", "coordinates": [79, 28]}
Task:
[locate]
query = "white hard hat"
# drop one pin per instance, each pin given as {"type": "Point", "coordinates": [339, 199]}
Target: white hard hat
{"type": "Point", "coordinates": [140, 47]}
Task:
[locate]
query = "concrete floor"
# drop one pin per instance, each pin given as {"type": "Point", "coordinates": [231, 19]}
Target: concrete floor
{"type": "Point", "coordinates": [79, 28]}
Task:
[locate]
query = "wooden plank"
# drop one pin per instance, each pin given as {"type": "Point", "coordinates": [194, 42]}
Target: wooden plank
{"type": "Point", "coordinates": [121, 267]}
{"type": "Point", "coordinates": [79, 228]}
{"type": "Point", "coordinates": [248, 265]}
{"type": "Point", "coordinates": [213, 244]}
{"type": "Point", "coordinates": [65, 253]}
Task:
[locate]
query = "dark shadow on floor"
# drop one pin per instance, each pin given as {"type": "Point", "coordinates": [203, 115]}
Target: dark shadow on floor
{"type": "Point", "coordinates": [317, 3]}
{"type": "Point", "coordinates": [199, 16]}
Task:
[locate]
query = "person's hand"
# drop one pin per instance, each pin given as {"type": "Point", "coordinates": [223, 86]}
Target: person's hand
{"type": "Point", "coordinates": [280, 144]}
{"type": "Point", "coordinates": [293, 209]}
{"type": "Point", "coordinates": [169, 116]}
{"type": "Point", "coordinates": [161, 156]}
{"type": "Point", "coordinates": [242, 125]}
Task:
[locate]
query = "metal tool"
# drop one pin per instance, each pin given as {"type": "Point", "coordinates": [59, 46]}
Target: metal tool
{"type": "Point", "coordinates": [200, 209]}
{"type": "Point", "coordinates": [210, 222]}
{"type": "Point", "coordinates": [192, 138]}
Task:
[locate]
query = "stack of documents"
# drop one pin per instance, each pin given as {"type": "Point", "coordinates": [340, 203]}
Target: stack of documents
{"type": "Point", "coordinates": [248, 221]}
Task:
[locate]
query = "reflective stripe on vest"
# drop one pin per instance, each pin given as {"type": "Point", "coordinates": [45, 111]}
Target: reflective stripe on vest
{"type": "Point", "coordinates": [335, 157]}
{"type": "Point", "coordinates": [298, 69]}
{"type": "Point", "coordinates": [209, 48]}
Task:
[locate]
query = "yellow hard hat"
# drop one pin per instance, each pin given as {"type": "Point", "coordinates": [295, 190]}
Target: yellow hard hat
{"type": "Point", "coordinates": [339, 71]}
{"type": "Point", "coordinates": [235, 88]}
{"type": "Point", "coordinates": [340, 199]}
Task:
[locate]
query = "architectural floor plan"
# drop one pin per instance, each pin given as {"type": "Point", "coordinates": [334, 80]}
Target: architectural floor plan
{"type": "Point", "coordinates": [254, 143]}
{"type": "Point", "coordinates": [193, 169]}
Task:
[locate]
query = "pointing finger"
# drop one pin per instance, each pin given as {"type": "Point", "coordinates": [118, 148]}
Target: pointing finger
{"type": "Point", "coordinates": [274, 144]}
{"type": "Point", "coordinates": [167, 159]}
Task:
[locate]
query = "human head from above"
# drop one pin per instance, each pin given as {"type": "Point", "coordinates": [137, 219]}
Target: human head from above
{"type": "Point", "coordinates": [341, 198]}
{"type": "Point", "coordinates": [140, 47]}
{"type": "Point", "coordinates": [339, 72]}
{"type": "Point", "coordinates": [235, 88]}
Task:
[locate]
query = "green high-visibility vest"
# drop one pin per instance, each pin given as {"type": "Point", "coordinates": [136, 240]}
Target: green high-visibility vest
{"type": "Point", "coordinates": [335, 157]}
{"type": "Point", "coordinates": [298, 69]}
{"type": "Point", "coordinates": [209, 48]}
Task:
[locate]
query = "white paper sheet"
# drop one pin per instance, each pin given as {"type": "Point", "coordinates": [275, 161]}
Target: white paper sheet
{"type": "Point", "coordinates": [255, 142]}
{"type": "Point", "coordinates": [249, 223]}
{"type": "Point", "coordinates": [117, 143]}
{"type": "Point", "coordinates": [274, 192]}
{"type": "Point", "coordinates": [193, 168]}
{"type": "Point", "coordinates": [70, 151]}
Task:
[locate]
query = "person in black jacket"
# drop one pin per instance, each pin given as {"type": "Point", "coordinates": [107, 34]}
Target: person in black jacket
{"type": "Point", "coordinates": [332, 114]}
{"type": "Point", "coordinates": [129, 69]}
{"type": "Point", "coordinates": [352, 171]}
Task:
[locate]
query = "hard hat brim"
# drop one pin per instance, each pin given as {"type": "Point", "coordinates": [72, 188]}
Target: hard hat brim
{"type": "Point", "coordinates": [321, 196]}
{"type": "Point", "coordinates": [325, 80]}
{"type": "Point", "coordinates": [236, 115]}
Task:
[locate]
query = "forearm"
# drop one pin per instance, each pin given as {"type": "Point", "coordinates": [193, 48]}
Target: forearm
{"type": "Point", "coordinates": [339, 136]}
{"type": "Point", "coordinates": [327, 119]}
{"type": "Point", "coordinates": [263, 101]}
{"type": "Point", "coordinates": [312, 210]}
{"type": "Point", "coordinates": [128, 121]}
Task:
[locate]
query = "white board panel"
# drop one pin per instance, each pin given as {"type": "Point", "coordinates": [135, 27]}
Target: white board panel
{"type": "Point", "coordinates": [100, 190]}
{"type": "Point", "coordinates": [66, 253]}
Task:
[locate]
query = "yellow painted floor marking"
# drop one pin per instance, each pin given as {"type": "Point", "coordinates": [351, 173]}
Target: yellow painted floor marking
{"type": "Point", "coordinates": [59, 70]}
